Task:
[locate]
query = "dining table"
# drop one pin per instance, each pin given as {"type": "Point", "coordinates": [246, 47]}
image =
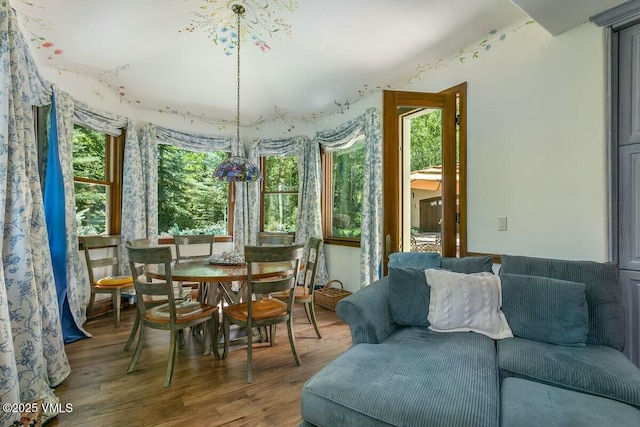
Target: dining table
{"type": "Point", "coordinates": [219, 282]}
{"type": "Point", "coordinates": [202, 270]}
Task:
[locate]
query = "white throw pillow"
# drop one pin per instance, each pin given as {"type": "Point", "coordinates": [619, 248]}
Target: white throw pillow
{"type": "Point", "coordinates": [466, 302]}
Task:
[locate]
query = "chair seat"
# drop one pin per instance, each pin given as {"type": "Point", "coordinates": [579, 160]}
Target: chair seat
{"type": "Point", "coordinates": [185, 311]}
{"type": "Point", "coordinates": [102, 253]}
{"type": "Point", "coordinates": [115, 282]}
{"type": "Point", "coordinates": [262, 309]}
{"type": "Point", "coordinates": [301, 293]}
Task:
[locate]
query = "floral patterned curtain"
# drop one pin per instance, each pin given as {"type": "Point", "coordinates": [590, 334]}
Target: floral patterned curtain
{"type": "Point", "coordinates": [369, 126]}
{"type": "Point", "coordinates": [246, 208]}
{"type": "Point", "coordinates": [134, 191]}
{"type": "Point", "coordinates": [309, 223]}
{"type": "Point", "coordinates": [309, 211]}
{"type": "Point", "coordinates": [32, 355]}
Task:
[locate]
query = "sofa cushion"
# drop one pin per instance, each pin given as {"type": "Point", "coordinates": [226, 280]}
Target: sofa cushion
{"type": "Point", "coordinates": [421, 260]}
{"type": "Point", "coordinates": [470, 264]}
{"type": "Point", "coordinates": [545, 309]}
{"type": "Point", "coordinates": [602, 287]}
{"type": "Point", "coordinates": [595, 369]}
{"type": "Point", "coordinates": [531, 404]}
{"type": "Point", "coordinates": [466, 302]}
{"type": "Point", "coordinates": [414, 378]}
{"type": "Point", "coordinates": [408, 296]}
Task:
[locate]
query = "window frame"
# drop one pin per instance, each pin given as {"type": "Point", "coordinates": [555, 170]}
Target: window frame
{"type": "Point", "coordinates": [263, 191]}
{"type": "Point", "coordinates": [326, 203]}
{"type": "Point", "coordinates": [114, 170]}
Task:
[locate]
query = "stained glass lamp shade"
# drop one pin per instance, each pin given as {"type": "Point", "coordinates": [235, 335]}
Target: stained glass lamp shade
{"type": "Point", "coordinates": [237, 168]}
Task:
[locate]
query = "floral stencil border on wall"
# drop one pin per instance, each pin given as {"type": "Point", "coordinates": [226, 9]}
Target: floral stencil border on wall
{"type": "Point", "coordinates": [261, 20]}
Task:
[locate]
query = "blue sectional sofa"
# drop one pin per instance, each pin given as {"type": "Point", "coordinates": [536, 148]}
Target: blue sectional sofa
{"type": "Point", "coordinates": [558, 362]}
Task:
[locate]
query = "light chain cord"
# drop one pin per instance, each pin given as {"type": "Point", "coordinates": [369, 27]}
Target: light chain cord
{"type": "Point", "coordinates": [239, 12]}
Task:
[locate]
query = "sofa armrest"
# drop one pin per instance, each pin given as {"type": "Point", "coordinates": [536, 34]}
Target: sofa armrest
{"type": "Point", "coordinates": [367, 313]}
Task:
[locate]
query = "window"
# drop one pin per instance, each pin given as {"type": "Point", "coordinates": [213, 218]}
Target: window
{"type": "Point", "coordinates": [342, 204]}
{"type": "Point", "coordinates": [190, 199]}
{"type": "Point", "coordinates": [97, 177]}
{"type": "Point", "coordinates": [279, 193]}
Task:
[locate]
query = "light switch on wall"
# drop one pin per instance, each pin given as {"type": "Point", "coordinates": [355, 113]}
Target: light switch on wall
{"type": "Point", "coordinates": [502, 223]}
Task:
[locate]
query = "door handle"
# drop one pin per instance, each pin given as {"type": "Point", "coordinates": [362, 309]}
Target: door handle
{"type": "Point", "coordinates": [388, 245]}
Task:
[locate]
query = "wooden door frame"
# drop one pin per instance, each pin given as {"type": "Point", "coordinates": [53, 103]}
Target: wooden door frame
{"type": "Point", "coordinates": [392, 165]}
{"type": "Point", "coordinates": [460, 91]}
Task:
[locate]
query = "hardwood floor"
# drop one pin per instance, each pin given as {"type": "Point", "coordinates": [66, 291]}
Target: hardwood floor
{"type": "Point", "coordinates": [204, 391]}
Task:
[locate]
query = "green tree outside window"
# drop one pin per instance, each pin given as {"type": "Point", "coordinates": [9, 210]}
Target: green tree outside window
{"type": "Point", "coordinates": [280, 195]}
{"type": "Point", "coordinates": [347, 180]}
{"type": "Point", "coordinates": [190, 199]}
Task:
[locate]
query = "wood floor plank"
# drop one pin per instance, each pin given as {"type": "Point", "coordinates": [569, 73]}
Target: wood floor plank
{"type": "Point", "coordinates": [204, 391]}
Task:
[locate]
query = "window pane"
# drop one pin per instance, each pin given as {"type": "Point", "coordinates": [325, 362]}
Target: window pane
{"type": "Point", "coordinates": [190, 200]}
{"type": "Point", "coordinates": [281, 174]}
{"type": "Point", "coordinates": [280, 212]}
{"type": "Point", "coordinates": [89, 153]}
{"type": "Point", "coordinates": [91, 208]}
{"type": "Point", "coordinates": [347, 178]}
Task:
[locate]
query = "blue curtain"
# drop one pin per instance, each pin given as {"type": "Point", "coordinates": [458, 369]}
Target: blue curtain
{"type": "Point", "coordinates": [54, 210]}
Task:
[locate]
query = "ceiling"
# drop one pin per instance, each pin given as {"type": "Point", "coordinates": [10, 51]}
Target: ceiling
{"type": "Point", "coordinates": [300, 60]}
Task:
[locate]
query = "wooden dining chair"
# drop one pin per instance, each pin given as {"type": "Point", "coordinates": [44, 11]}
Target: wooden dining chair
{"type": "Point", "coordinates": [173, 316]}
{"type": "Point", "coordinates": [178, 291]}
{"type": "Point", "coordinates": [274, 239]}
{"type": "Point", "coordinates": [138, 243]}
{"type": "Point", "coordinates": [266, 311]}
{"type": "Point", "coordinates": [181, 242]}
{"type": "Point", "coordinates": [196, 239]}
{"type": "Point", "coordinates": [304, 292]}
{"type": "Point", "coordinates": [102, 254]}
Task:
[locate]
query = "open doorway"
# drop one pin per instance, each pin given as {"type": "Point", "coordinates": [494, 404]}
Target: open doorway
{"type": "Point", "coordinates": [425, 170]}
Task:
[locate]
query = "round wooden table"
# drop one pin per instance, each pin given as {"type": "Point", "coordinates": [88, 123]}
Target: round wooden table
{"type": "Point", "coordinates": [199, 269]}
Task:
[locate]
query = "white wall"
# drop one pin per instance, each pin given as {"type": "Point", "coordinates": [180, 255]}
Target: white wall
{"type": "Point", "coordinates": [537, 147]}
{"type": "Point", "coordinates": [537, 150]}
{"type": "Point", "coordinates": [343, 263]}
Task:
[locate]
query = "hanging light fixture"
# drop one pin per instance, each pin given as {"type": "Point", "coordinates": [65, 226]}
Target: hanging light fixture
{"type": "Point", "coordinates": [238, 168]}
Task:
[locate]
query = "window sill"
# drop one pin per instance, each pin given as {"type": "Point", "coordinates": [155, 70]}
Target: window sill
{"type": "Point", "coordinates": [169, 240]}
{"type": "Point", "coordinates": [342, 242]}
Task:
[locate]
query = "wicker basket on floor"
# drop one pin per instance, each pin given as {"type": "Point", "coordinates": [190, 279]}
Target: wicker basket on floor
{"type": "Point", "coordinates": [328, 296]}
